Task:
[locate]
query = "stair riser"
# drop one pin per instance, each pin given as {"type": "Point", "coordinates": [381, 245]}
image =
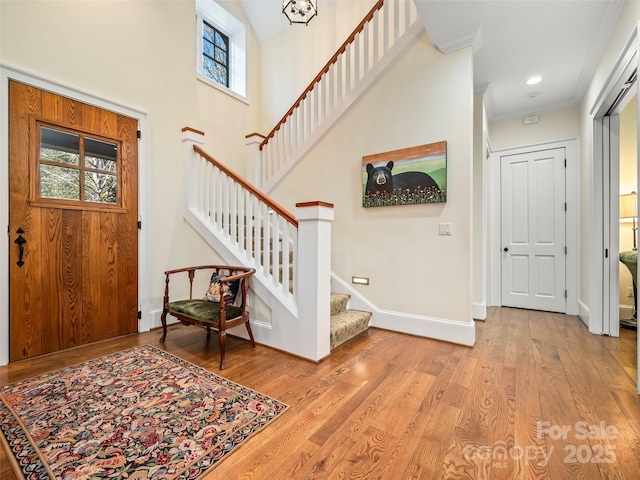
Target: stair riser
{"type": "Point", "coordinates": [348, 324]}
{"type": "Point", "coordinates": [339, 303]}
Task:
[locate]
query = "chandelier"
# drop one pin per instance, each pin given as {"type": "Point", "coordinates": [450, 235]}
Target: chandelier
{"type": "Point", "coordinates": [299, 11]}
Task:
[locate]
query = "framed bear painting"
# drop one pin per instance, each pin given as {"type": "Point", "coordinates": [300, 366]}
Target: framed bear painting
{"type": "Point", "coordinates": [405, 177]}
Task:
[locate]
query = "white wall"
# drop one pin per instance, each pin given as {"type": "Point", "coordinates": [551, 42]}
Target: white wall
{"type": "Point", "coordinates": [425, 97]}
{"type": "Point", "coordinates": [139, 54]}
{"type": "Point", "coordinates": [627, 20]}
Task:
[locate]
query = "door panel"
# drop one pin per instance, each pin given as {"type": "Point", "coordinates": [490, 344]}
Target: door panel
{"type": "Point", "coordinates": [533, 230]}
{"type": "Point", "coordinates": [79, 280]}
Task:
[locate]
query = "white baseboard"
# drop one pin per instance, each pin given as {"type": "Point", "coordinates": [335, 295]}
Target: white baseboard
{"type": "Point", "coordinates": [479, 311]}
{"type": "Point", "coordinates": [583, 313]}
{"type": "Point", "coordinates": [153, 320]}
{"type": "Point", "coordinates": [429, 327]}
{"type": "Point", "coordinates": [437, 328]}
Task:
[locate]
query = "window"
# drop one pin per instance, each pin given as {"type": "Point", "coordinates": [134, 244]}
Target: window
{"type": "Point", "coordinates": [76, 168]}
{"type": "Point", "coordinates": [222, 49]}
{"type": "Point", "coordinates": [215, 54]}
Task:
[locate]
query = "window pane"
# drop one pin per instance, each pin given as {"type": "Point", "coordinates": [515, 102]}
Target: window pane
{"type": "Point", "coordinates": [59, 146]}
{"type": "Point", "coordinates": [208, 48]}
{"type": "Point", "coordinates": [222, 75]}
{"type": "Point", "coordinates": [100, 187]}
{"type": "Point", "coordinates": [207, 32]}
{"type": "Point", "coordinates": [221, 56]}
{"type": "Point", "coordinates": [59, 182]}
{"type": "Point", "coordinates": [100, 155]}
{"type": "Point", "coordinates": [221, 40]}
{"type": "Point", "coordinates": [215, 71]}
{"type": "Point", "coordinates": [208, 67]}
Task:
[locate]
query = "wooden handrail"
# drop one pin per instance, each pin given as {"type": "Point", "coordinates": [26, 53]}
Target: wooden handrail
{"type": "Point", "coordinates": [254, 191]}
{"type": "Point", "coordinates": [189, 129]}
{"type": "Point", "coordinates": [325, 69]}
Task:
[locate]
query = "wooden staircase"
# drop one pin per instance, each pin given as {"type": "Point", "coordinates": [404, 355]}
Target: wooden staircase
{"type": "Point", "coordinates": [233, 213]}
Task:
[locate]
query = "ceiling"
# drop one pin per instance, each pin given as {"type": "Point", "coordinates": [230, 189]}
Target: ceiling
{"type": "Point", "coordinates": [512, 40]}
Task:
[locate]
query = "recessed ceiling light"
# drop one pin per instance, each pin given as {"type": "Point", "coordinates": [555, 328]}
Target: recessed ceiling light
{"type": "Point", "coordinates": [534, 80]}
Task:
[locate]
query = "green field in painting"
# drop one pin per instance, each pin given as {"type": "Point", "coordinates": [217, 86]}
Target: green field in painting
{"type": "Point", "coordinates": [440, 177]}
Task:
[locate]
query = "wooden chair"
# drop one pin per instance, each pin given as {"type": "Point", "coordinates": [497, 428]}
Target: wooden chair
{"type": "Point", "coordinates": [221, 314]}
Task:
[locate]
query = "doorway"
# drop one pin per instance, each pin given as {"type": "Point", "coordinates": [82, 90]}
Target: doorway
{"type": "Point", "coordinates": [73, 202]}
{"type": "Point", "coordinates": [628, 188]}
{"type": "Point", "coordinates": [546, 298]}
{"type": "Point", "coordinates": [533, 226]}
{"type": "Point", "coordinates": [604, 315]}
{"type": "Point", "coordinates": [9, 73]}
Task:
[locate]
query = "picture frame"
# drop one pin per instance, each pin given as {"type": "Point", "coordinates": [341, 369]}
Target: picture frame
{"type": "Point", "coordinates": [408, 176]}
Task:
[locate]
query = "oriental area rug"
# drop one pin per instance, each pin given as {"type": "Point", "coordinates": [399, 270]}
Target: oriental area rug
{"type": "Point", "coordinates": [136, 414]}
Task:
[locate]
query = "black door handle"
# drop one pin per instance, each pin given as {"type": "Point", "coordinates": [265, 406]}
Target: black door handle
{"type": "Point", "coordinates": [506, 249]}
{"type": "Point", "coordinates": [20, 241]}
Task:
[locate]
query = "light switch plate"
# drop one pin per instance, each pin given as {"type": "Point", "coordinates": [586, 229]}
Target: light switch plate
{"type": "Point", "coordinates": [445, 229]}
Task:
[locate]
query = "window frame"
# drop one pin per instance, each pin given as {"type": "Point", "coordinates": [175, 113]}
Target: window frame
{"type": "Point", "coordinates": [237, 30]}
{"type": "Point", "coordinates": [37, 200]}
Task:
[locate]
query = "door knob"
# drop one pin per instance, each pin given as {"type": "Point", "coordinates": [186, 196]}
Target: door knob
{"type": "Point", "coordinates": [506, 249]}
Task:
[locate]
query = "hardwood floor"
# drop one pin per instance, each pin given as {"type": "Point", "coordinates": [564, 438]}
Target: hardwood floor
{"type": "Point", "coordinates": [538, 397]}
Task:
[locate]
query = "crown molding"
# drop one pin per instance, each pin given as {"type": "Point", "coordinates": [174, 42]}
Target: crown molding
{"type": "Point", "coordinates": [472, 37]}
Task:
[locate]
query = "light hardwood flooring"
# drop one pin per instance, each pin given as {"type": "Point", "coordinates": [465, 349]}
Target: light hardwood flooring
{"type": "Point", "coordinates": [538, 397]}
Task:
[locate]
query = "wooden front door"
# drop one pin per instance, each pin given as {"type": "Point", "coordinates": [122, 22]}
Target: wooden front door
{"type": "Point", "coordinates": [73, 211]}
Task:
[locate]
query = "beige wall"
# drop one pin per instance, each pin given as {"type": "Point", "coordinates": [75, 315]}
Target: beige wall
{"type": "Point", "coordinates": [293, 57]}
{"type": "Point", "coordinates": [425, 97]}
{"type": "Point", "coordinates": [551, 126]}
{"type": "Point", "coordinates": [139, 54]}
{"type": "Point", "coordinates": [142, 55]}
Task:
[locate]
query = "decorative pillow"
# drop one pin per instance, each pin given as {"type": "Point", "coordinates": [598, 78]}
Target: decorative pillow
{"type": "Point", "coordinates": [217, 288]}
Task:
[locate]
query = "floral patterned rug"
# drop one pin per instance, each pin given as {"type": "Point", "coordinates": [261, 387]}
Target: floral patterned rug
{"type": "Point", "coordinates": [136, 414]}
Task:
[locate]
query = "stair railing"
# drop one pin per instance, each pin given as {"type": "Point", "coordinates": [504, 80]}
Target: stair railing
{"type": "Point", "coordinates": [291, 253]}
{"type": "Point", "coordinates": [337, 84]}
{"type": "Point", "coordinates": [262, 231]}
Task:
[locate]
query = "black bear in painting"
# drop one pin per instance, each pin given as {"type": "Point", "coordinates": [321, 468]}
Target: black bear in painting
{"type": "Point", "coordinates": [381, 180]}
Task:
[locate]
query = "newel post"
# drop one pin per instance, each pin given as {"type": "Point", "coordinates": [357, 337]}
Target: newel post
{"type": "Point", "coordinates": [314, 276]}
{"type": "Point", "coordinates": [191, 137]}
{"type": "Point", "coordinates": [254, 159]}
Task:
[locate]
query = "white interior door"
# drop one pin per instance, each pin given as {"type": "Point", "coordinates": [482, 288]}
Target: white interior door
{"type": "Point", "coordinates": [533, 216]}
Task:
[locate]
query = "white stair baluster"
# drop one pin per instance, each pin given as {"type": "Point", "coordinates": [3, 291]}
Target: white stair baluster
{"type": "Point", "coordinates": [396, 21]}
{"type": "Point", "coordinates": [233, 211]}
{"type": "Point", "coordinates": [275, 250]}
